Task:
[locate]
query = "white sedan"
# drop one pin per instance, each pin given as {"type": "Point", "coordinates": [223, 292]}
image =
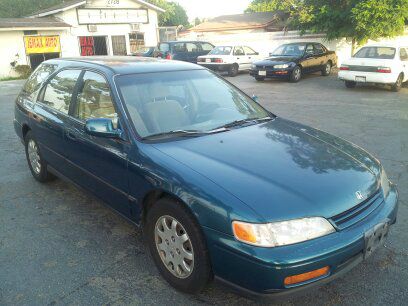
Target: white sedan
{"type": "Point", "coordinates": [229, 58]}
{"type": "Point", "coordinates": [379, 64]}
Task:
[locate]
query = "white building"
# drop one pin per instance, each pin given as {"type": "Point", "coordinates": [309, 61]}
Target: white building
{"type": "Point", "coordinates": [77, 28]}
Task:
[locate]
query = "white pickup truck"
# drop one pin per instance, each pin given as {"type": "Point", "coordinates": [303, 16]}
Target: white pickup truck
{"type": "Point", "coordinates": [229, 58]}
{"type": "Point", "coordinates": [378, 64]}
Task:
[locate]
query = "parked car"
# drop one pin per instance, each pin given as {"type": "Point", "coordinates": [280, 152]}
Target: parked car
{"type": "Point", "coordinates": [147, 52]}
{"type": "Point", "coordinates": [186, 51]}
{"type": "Point", "coordinates": [291, 61]}
{"type": "Point", "coordinates": [378, 64]}
{"type": "Point", "coordinates": [221, 186]}
{"type": "Point", "coordinates": [229, 58]}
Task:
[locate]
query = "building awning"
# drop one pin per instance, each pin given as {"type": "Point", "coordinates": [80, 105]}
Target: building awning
{"type": "Point", "coordinates": [242, 22]}
{"type": "Point", "coordinates": [76, 3]}
{"type": "Point", "coordinates": [7, 24]}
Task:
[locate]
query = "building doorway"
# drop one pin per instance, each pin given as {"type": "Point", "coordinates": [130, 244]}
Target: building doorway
{"type": "Point", "coordinates": [136, 41]}
{"type": "Point", "coordinates": [119, 45]}
{"type": "Point", "coordinates": [93, 45]}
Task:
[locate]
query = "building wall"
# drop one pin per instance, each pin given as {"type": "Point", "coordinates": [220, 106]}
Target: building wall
{"type": "Point", "coordinates": [265, 42]}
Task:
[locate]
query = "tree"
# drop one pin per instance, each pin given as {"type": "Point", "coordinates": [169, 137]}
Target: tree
{"type": "Point", "coordinates": [174, 15]}
{"type": "Point", "coordinates": [359, 20]}
{"type": "Point", "coordinates": [272, 5]}
{"type": "Point", "coordinates": [21, 8]}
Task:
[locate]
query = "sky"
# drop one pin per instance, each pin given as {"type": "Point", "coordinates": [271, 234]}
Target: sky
{"type": "Point", "coordinates": [213, 8]}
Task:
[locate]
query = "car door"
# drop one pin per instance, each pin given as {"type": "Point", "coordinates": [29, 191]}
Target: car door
{"type": "Point", "coordinates": [309, 59]}
{"type": "Point", "coordinates": [240, 58]}
{"type": "Point", "coordinates": [321, 57]}
{"type": "Point", "coordinates": [100, 163]}
{"type": "Point", "coordinates": [251, 56]}
{"type": "Point", "coordinates": [193, 50]}
{"type": "Point", "coordinates": [50, 115]}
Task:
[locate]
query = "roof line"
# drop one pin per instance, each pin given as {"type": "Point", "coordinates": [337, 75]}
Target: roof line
{"type": "Point", "coordinates": [55, 11]}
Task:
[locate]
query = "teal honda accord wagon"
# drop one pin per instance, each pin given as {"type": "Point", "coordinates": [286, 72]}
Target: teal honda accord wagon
{"type": "Point", "coordinates": [221, 187]}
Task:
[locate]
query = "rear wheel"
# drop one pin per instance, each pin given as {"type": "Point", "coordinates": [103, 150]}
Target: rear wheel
{"type": "Point", "coordinates": [296, 74]}
{"type": "Point", "coordinates": [177, 246]}
{"type": "Point", "coordinates": [233, 70]}
{"type": "Point", "coordinates": [327, 69]}
{"type": "Point", "coordinates": [398, 84]}
{"type": "Point", "coordinates": [259, 79]}
{"type": "Point", "coordinates": [350, 84]}
{"type": "Point", "coordinates": [36, 163]}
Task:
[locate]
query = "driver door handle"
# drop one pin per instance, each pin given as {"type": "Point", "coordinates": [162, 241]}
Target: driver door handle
{"type": "Point", "coordinates": [71, 136]}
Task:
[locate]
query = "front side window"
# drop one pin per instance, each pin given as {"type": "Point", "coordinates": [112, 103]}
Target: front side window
{"type": "Point", "coordinates": [164, 48]}
{"type": "Point", "coordinates": [94, 98]}
{"type": "Point", "coordinates": [238, 51]}
{"type": "Point", "coordinates": [38, 77]}
{"type": "Point", "coordinates": [249, 51]}
{"type": "Point", "coordinates": [191, 47]}
{"type": "Point", "coordinates": [59, 90]}
{"type": "Point", "coordinates": [207, 46]}
{"type": "Point", "coordinates": [376, 52]}
{"type": "Point", "coordinates": [319, 49]}
{"type": "Point", "coordinates": [193, 100]}
{"type": "Point", "coordinates": [310, 49]}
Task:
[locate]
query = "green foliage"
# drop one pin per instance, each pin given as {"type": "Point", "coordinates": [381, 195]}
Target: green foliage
{"type": "Point", "coordinates": [357, 19]}
{"type": "Point", "coordinates": [272, 5]}
{"type": "Point", "coordinates": [175, 14]}
{"type": "Point", "coordinates": [21, 8]}
{"type": "Point", "coordinates": [23, 71]}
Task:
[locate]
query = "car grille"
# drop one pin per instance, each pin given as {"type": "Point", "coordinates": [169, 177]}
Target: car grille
{"type": "Point", "coordinates": [363, 68]}
{"type": "Point", "coordinates": [358, 212]}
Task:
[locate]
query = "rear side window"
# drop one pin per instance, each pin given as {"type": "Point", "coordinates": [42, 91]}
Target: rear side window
{"type": "Point", "coordinates": [179, 47]}
{"type": "Point", "coordinates": [59, 90]}
{"type": "Point", "coordinates": [319, 49]}
{"type": "Point", "coordinates": [94, 98]}
{"type": "Point", "coordinates": [403, 54]}
{"type": "Point", "coordinates": [38, 77]}
{"type": "Point", "coordinates": [192, 47]}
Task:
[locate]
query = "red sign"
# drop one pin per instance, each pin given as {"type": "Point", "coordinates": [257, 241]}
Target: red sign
{"type": "Point", "coordinates": [87, 45]}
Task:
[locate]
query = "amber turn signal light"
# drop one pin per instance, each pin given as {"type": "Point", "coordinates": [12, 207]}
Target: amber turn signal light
{"type": "Point", "coordinates": [244, 232]}
{"type": "Point", "coordinates": [300, 278]}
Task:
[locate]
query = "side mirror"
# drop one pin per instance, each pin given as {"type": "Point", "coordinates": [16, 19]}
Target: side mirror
{"type": "Point", "coordinates": [102, 127]}
{"type": "Point", "coordinates": [255, 98]}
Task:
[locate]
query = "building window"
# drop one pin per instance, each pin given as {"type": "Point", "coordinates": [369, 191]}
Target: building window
{"type": "Point", "coordinates": [93, 45]}
{"type": "Point", "coordinates": [136, 41]}
{"type": "Point", "coordinates": [30, 32]}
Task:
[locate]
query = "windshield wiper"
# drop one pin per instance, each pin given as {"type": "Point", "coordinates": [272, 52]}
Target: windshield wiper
{"type": "Point", "coordinates": [243, 122]}
{"type": "Point", "coordinates": [186, 133]}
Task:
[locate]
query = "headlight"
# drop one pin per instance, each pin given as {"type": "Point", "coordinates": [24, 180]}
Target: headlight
{"type": "Point", "coordinates": [283, 66]}
{"type": "Point", "coordinates": [385, 183]}
{"type": "Point", "coordinates": [281, 233]}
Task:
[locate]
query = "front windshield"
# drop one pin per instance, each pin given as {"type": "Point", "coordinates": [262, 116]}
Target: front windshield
{"type": "Point", "coordinates": [290, 50]}
{"type": "Point", "coordinates": [194, 100]}
{"type": "Point", "coordinates": [376, 52]}
{"type": "Point", "coordinates": [221, 51]}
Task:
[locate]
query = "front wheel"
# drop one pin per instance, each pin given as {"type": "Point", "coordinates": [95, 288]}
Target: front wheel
{"type": "Point", "coordinates": [398, 84]}
{"type": "Point", "coordinates": [233, 70]}
{"type": "Point", "coordinates": [177, 246]}
{"type": "Point", "coordinates": [350, 84]}
{"type": "Point", "coordinates": [36, 163]}
{"type": "Point", "coordinates": [296, 74]}
{"type": "Point", "coordinates": [327, 69]}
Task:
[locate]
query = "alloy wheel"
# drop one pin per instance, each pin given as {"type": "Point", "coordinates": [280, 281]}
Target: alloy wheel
{"type": "Point", "coordinates": [328, 68]}
{"type": "Point", "coordinates": [174, 246]}
{"type": "Point", "coordinates": [34, 156]}
{"type": "Point", "coordinates": [297, 74]}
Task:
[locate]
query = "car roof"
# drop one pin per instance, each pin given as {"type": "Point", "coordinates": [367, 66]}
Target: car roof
{"type": "Point", "coordinates": [128, 64]}
{"type": "Point", "coordinates": [389, 45]}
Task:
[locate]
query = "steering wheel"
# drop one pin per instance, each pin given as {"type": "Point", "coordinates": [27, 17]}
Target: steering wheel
{"type": "Point", "coordinates": [180, 100]}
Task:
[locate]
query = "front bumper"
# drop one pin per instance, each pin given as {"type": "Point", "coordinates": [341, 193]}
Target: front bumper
{"type": "Point", "coordinates": [216, 67]}
{"type": "Point", "coordinates": [272, 73]}
{"type": "Point", "coordinates": [261, 271]}
{"type": "Point", "coordinates": [370, 77]}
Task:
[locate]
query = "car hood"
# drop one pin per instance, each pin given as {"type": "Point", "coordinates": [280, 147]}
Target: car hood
{"type": "Point", "coordinates": [281, 169]}
{"type": "Point", "coordinates": [276, 60]}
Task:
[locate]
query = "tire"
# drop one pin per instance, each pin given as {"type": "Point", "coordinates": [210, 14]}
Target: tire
{"type": "Point", "coordinates": [170, 248]}
{"type": "Point", "coordinates": [296, 74]}
{"type": "Point", "coordinates": [350, 84]}
{"type": "Point", "coordinates": [260, 79]}
{"type": "Point", "coordinates": [327, 69]}
{"type": "Point", "coordinates": [233, 70]}
{"type": "Point", "coordinates": [36, 163]}
{"type": "Point", "coordinates": [398, 84]}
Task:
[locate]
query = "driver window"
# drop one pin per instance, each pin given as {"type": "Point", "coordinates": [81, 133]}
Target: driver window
{"type": "Point", "coordinates": [239, 51]}
{"type": "Point", "coordinates": [309, 49]}
{"type": "Point", "coordinates": [94, 98]}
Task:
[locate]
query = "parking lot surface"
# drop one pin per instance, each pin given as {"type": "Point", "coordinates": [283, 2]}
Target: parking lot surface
{"type": "Point", "coordinates": [60, 245]}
